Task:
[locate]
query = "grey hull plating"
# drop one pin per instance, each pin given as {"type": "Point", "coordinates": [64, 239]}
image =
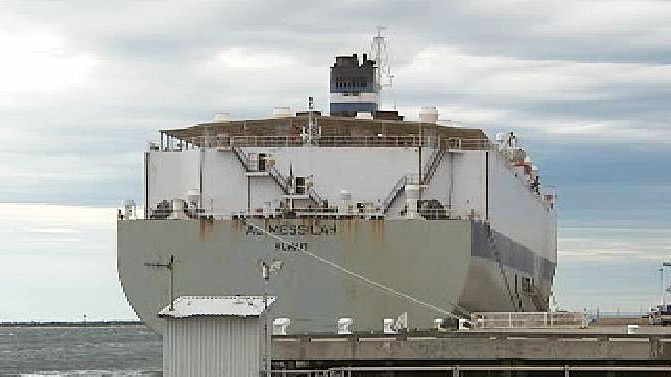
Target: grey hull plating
{"type": "Point", "coordinates": [445, 263]}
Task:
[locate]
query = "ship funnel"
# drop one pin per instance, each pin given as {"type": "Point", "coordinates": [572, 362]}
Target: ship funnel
{"type": "Point", "coordinates": [428, 114]}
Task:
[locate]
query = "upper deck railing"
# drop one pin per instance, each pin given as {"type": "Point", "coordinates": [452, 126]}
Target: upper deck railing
{"type": "Point", "coordinates": [370, 213]}
{"type": "Point", "coordinates": [225, 141]}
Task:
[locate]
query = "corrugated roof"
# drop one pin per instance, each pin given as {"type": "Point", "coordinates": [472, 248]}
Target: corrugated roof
{"type": "Point", "coordinates": [329, 126]}
{"type": "Point", "coordinates": [238, 306]}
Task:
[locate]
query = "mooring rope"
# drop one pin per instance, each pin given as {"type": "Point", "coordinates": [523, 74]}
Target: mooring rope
{"type": "Point", "coordinates": [355, 275]}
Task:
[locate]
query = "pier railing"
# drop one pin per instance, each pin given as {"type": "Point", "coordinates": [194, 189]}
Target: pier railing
{"type": "Point", "coordinates": [465, 370]}
{"type": "Point", "coordinates": [528, 320]}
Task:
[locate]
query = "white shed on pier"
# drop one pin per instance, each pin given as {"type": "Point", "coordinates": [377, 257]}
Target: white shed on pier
{"type": "Point", "coordinates": [214, 336]}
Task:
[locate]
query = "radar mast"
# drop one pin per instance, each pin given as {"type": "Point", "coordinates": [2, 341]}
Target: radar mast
{"type": "Point", "coordinates": [378, 50]}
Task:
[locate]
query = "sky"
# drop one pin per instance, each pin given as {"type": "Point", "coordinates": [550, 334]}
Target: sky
{"type": "Point", "coordinates": [84, 86]}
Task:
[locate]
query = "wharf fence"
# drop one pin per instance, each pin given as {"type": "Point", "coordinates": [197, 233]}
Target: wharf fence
{"type": "Point", "coordinates": [464, 370]}
{"type": "Point", "coordinates": [528, 320]}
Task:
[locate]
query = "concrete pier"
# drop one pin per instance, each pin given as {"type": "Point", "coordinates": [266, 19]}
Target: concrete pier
{"type": "Point", "coordinates": [600, 346]}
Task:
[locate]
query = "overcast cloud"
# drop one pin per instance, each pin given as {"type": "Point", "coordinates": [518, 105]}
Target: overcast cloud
{"type": "Point", "coordinates": [84, 85]}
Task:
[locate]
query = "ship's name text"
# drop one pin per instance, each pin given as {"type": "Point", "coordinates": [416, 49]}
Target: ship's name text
{"type": "Point", "coordinates": [294, 230]}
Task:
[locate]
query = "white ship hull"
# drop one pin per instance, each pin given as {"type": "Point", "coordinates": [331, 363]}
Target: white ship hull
{"type": "Point", "coordinates": [445, 263]}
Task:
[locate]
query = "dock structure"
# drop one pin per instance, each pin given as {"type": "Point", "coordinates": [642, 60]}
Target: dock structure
{"type": "Point", "coordinates": [515, 350]}
{"type": "Point", "coordinates": [214, 336]}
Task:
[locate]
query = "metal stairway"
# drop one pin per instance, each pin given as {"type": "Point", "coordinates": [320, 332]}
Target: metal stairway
{"type": "Point", "coordinates": [316, 197]}
{"type": "Point", "coordinates": [427, 173]}
{"type": "Point", "coordinates": [399, 187]}
{"type": "Point", "coordinates": [242, 157]}
{"type": "Point", "coordinates": [432, 165]}
{"type": "Point", "coordinates": [282, 181]}
{"type": "Point", "coordinates": [272, 171]}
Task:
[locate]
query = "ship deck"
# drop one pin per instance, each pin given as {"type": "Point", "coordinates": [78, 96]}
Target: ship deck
{"type": "Point", "coordinates": [334, 131]}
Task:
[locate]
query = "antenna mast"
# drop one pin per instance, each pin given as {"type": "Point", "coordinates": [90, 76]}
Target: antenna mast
{"type": "Point", "coordinates": [378, 50]}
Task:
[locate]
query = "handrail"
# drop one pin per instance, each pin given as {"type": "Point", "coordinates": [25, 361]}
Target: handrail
{"type": "Point", "coordinates": [436, 157]}
{"type": "Point", "coordinates": [456, 369]}
{"type": "Point", "coordinates": [398, 188]}
{"type": "Point", "coordinates": [315, 196]}
{"type": "Point", "coordinates": [523, 320]}
{"type": "Point", "coordinates": [280, 179]}
{"type": "Point", "coordinates": [226, 141]}
{"type": "Point", "coordinates": [369, 212]}
{"type": "Point", "coordinates": [428, 171]}
{"type": "Point", "coordinates": [242, 157]}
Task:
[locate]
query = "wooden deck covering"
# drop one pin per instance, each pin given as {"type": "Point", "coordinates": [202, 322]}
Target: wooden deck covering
{"type": "Point", "coordinates": [330, 126]}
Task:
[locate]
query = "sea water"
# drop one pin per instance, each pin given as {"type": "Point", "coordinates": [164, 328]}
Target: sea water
{"type": "Point", "coordinates": [80, 351]}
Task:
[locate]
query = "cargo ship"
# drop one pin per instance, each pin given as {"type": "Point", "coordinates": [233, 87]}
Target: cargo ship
{"type": "Point", "coordinates": [439, 213]}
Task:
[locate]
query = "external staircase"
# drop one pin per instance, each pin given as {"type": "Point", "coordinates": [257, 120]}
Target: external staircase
{"type": "Point", "coordinates": [427, 173]}
{"type": "Point", "coordinates": [282, 181]}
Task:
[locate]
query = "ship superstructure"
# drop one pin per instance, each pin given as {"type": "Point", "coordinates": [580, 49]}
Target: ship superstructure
{"type": "Point", "coordinates": [440, 213]}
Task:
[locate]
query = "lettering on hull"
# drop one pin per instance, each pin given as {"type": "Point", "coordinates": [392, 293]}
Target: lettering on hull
{"type": "Point", "coordinates": [294, 230]}
{"type": "Point", "coordinates": [297, 246]}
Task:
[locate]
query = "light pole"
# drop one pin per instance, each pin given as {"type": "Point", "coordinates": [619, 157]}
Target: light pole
{"type": "Point", "coordinates": [266, 269]}
{"type": "Point", "coordinates": [661, 270]}
{"type": "Point", "coordinates": [170, 266]}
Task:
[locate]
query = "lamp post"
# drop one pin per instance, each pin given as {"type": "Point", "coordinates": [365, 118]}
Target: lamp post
{"type": "Point", "coordinates": [266, 269]}
{"type": "Point", "coordinates": [170, 266]}
{"type": "Point", "coordinates": [661, 270]}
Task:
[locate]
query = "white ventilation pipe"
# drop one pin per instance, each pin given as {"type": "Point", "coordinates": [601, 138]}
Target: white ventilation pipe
{"type": "Point", "coordinates": [177, 209]}
{"type": "Point", "coordinates": [221, 118]}
{"type": "Point", "coordinates": [282, 112]}
{"type": "Point", "coordinates": [280, 326]}
{"type": "Point", "coordinates": [345, 326]}
{"type": "Point", "coordinates": [345, 205]}
{"type": "Point", "coordinates": [388, 326]}
{"type": "Point", "coordinates": [428, 114]}
{"type": "Point", "coordinates": [128, 206]}
{"type": "Point", "coordinates": [193, 197]}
